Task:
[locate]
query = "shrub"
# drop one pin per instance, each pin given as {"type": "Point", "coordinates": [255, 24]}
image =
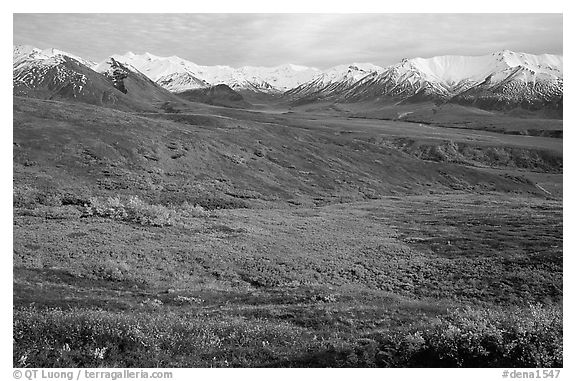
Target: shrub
{"type": "Point", "coordinates": [52, 212]}
{"type": "Point", "coordinates": [25, 196]}
{"type": "Point", "coordinates": [193, 210]}
{"type": "Point", "coordinates": [529, 337]}
{"type": "Point", "coordinates": [215, 203]}
{"type": "Point", "coordinates": [95, 338]}
{"type": "Point", "coordinates": [76, 338]}
{"type": "Point", "coordinates": [140, 212]}
{"type": "Point", "coordinates": [110, 208]}
{"type": "Point", "coordinates": [133, 209]}
{"type": "Point", "coordinates": [520, 337]}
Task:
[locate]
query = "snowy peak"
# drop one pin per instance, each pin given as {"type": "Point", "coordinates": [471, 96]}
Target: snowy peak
{"type": "Point", "coordinates": [543, 63]}
{"type": "Point", "coordinates": [51, 74]}
{"type": "Point", "coordinates": [23, 53]}
{"type": "Point", "coordinates": [153, 68]}
{"type": "Point", "coordinates": [349, 73]}
{"type": "Point", "coordinates": [178, 82]}
{"type": "Point", "coordinates": [334, 81]}
{"type": "Point", "coordinates": [502, 79]}
{"type": "Point", "coordinates": [109, 66]}
{"type": "Point", "coordinates": [116, 72]}
{"type": "Point", "coordinates": [454, 69]}
{"type": "Point", "coordinates": [280, 78]}
{"type": "Point", "coordinates": [178, 74]}
{"type": "Point", "coordinates": [34, 68]}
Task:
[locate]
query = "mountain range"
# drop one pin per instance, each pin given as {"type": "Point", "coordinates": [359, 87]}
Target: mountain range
{"type": "Point", "coordinates": [502, 80]}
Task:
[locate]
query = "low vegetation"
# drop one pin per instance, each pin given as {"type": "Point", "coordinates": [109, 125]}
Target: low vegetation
{"type": "Point", "coordinates": [133, 209]}
{"type": "Point", "coordinates": [442, 288]}
{"type": "Point", "coordinates": [520, 337]}
{"type": "Point", "coordinates": [479, 156]}
{"type": "Point", "coordinates": [216, 237]}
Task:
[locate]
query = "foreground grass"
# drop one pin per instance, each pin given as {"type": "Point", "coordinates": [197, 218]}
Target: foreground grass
{"type": "Point", "coordinates": [529, 337]}
{"type": "Point", "coordinates": [421, 281]}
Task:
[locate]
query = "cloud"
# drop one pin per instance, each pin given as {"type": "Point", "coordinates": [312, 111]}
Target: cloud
{"type": "Point", "coordinates": [320, 40]}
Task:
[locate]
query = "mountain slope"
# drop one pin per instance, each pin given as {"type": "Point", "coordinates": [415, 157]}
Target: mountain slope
{"type": "Point", "coordinates": [137, 86]}
{"type": "Point", "coordinates": [53, 74]}
{"type": "Point", "coordinates": [61, 77]}
{"type": "Point", "coordinates": [515, 87]}
{"type": "Point", "coordinates": [332, 83]}
{"type": "Point", "coordinates": [177, 82]}
{"type": "Point", "coordinates": [26, 52]}
{"type": "Point", "coordinates": [400, 81]}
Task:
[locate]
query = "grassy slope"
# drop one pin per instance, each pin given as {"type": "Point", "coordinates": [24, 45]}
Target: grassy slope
{"type": "Point", "coordinates": [373, 282]}
{"type": "Point", "coordinates": [83, 149]}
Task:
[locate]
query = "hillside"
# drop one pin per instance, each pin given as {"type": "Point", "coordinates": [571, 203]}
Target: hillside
{"type": "Point", "coordinates": [109, 152]}
{"type": "Point", "coordinates": [219, 95]}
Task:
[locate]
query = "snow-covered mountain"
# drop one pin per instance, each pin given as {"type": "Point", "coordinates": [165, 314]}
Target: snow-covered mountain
{"type": "Point", "coordinates": [178, 82]}
{"type": "Point", "coordinates": [23, 53]}
{"type": "Point", "coordinates": [281, 78]}
{"type": "Point", "coordinates": [177, 74]}
{"type": "Point", "coordinates": [502, 79]}
{"type": "Point", "coordinates": [53, 74]}
{"type": "Point", "coordinates": [333, 81]}
{"type": "Point", "coordinates": [129, 80]}
{"type": "Point", "coordinates": [525, 80]}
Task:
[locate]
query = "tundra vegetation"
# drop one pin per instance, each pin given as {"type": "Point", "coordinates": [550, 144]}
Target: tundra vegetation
{"type": "Point", "coordinates": [211, 237]}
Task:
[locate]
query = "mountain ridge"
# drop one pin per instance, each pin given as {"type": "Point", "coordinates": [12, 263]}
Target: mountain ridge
{"type": "Point", "coordinates": [251, 78]}
{"type": "Point", "coordinates": [501, 80]}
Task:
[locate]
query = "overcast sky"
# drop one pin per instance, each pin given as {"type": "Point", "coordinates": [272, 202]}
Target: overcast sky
{"type": "Point", "coordinates": [306, 39]}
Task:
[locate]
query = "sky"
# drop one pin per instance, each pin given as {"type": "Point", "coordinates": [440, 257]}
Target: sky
{"type": "Point", "coordinates": [318, 40]}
